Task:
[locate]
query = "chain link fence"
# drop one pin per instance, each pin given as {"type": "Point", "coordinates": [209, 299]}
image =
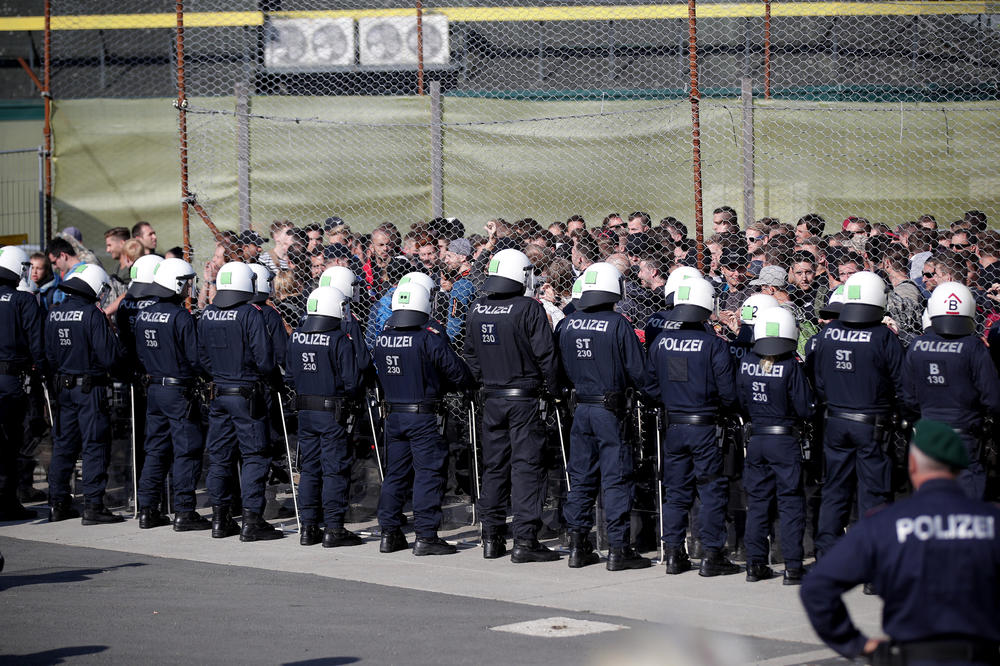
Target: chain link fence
{"type": "Point", "coordinates": [831, 138]}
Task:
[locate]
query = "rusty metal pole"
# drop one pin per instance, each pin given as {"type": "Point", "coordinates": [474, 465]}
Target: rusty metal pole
{"type": "Point", "coordinates": [181, 105]}
{"type": "Point", "coordinates": [47, 127]}
{"type": "Point", "coordinates": [696, 134]}
{"type": "Point", "coordinates": [767, 50]}
{"type": "Point", "coordinates": [420, 48]}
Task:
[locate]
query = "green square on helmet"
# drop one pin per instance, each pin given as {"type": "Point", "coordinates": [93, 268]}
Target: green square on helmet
{"type": "Point", "coordinates": [312, 305]}
{"type": "Point", "coordinates": [226, 278]}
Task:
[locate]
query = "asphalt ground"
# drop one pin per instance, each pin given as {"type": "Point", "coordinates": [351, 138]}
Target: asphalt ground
{"type": "Point", "coordinates": [114, 594]}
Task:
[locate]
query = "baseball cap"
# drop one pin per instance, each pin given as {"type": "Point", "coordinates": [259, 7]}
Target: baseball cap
{"type": "Point", "coordinates": [772, 276]}
{"type": "Point", "coordinates": [332, 222]}
{"type": "Point", "coordinates": [336, 251]}
{"type": "Point", "coordinates": [74, 232]}
{"type": "Point", "coordinates": [939, 441]}
{"type": "Point", "coordinates": [251, 237]}
{"type": "Point", "coordinates": [460, 246]}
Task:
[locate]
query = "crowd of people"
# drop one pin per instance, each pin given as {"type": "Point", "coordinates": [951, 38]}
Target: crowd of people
{"type": "Point", "coordinates": [822, 345]}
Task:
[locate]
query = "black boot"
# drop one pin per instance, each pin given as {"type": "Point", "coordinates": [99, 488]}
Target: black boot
{"type": "Point", "coordinates": [98, 514]}
{"type": "Point", "coordinates": [336, 537]}
{"type": "Point", "coordinates": [530, 550]}
{"type": "Point", "coordinates": [256, 529]}
{"type": "Point", "coordinates": [223, 524]}
{"type": "Point", "coordinates": [30, 494]}
{"type": "Point", "coordinates": [757, 572]}
{"type": "Point", "coordinates": [62, 511]}
{"type": "Point", "coordinates": [677, 560]}
{"type": "Point", "coordinates": [494, 546]}
{"type": "Point", "coordinates": [433, 546]}
{"type": "Point", "coordinates": [581, 551]}
{"type": "Point", "coordinates": [620, 559]}
{"type": "Point", "coordinates": [191, 521]}
{"type": "Point", "coordinates": [714, 563]}
{"type": "Point", "coordinates": [392, 540]}
{"type": "Point", "coordinates": [16, 512]}
{"type": "Point", "coordinates": [310, 534]}
{"type": "Point", "coordinates": [793, 576]}
{"type": "Point", "coordinates": [150, 518]}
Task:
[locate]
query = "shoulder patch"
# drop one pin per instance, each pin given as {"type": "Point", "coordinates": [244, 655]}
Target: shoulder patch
{"type": "Point", "coordinates": [259, 309]}
{"type": "Point", "coordinates": [434, 330]}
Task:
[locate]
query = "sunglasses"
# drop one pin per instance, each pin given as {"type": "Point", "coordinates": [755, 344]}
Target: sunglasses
{"type": "Point", "coordinates": [927, 275]}
{"type": "Point", "coordinates": [960, 246]}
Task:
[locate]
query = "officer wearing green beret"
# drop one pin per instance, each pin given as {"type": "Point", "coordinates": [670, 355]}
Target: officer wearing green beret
{"type": "Point", "coordinates": [933, 557]}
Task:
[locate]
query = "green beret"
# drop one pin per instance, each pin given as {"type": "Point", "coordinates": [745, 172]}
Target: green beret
{"type": "Point", "coordinates": [940, 442]}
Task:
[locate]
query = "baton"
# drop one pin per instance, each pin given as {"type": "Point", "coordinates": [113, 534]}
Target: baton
{"type": "Point", "coordinates": [659, 480]}
{"type": "Point", "coordinates": [135, 476]}
{"type": "Point", "coordinates": [48, 403]}
{"type": "Point", "coordinates": [288, 454]}
{"type": "Point", "coordinates": [562, 445]}
{"type": "Point", "coordinates": [378, 456]}
{"type": "Point", "coordinates": [475, 458]}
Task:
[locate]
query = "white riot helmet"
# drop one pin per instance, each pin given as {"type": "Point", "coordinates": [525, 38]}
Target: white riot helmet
{"type": "Point", "coordinates": [14, 263]}
{"type": "Point", "coordinates": [833, 306]}
{"type": "Point", "coordinates": [577, 291]}
{"type": "Point", "coordinates": [925, 322]}
{"type": "Point", "coordinates": [864, 299]}
{"type": "Point", "coordinates": [952, 309]}
{"type": "Point", "coordinates": [602, 284]}
{"type": "Point", "coordinates": [264, 287]}
{"type": "Point", "coordinates": [324, 310]}
{"type": "Point", "coordinates": [235, 284]}
{"type": "Point", "coordinates": [753, 306]}
{"type": "Point", "coordinates": [342, 279]}
{"type": "Point", "coordinates": [679, 276]}
{"type": "Point", "coordinates": [170, 278]}
{"type": "Point", "coordinates": [775, 332]}
{"type": "Point", "coordinates": [694, 301]}
{"type": "Point", "coordinates": [509, 272]}
{"type": "Point", "coordinates": [87, 280]}
{"type": "Point", "coordinates": [141, 274]}
{"type": "Point", "coordinates": [423, 279]}
{"type": "Point", "coordinates": [411, 306]}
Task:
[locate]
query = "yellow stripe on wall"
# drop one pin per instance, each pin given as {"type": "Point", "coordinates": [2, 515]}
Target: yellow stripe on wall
{"type": "Point", "coordinates": [493, 14]}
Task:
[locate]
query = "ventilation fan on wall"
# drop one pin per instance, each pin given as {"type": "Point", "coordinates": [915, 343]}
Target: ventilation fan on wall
{"type": "Point", "coordinates": [308, 44]}
{"type": "Point", "coordinates": [393, 40]}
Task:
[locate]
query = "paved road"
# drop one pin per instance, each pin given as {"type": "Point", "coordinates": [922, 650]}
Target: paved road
{"type": "Point", "coordinates": [65, 604]}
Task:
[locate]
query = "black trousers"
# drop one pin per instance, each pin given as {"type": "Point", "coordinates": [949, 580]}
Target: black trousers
{"type": "Point", "coordinates": [513, 439]}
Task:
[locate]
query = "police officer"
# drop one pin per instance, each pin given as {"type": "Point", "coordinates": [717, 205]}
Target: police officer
{"type": "Point", "coordinates": [509, 347]}
{"type": "Point", "coordinates": [933, 557]}
{"type": "Point", "coordinates": [136, 298]}
{"type": "Point", "coordinates": [661, 320]}
{"type": "Point", "coordinates": [323, 370]}
{"type": "Point", "coordinates": [416, 365]}
{"type": "Point", "coordinates": [273, 382]}
{"type": "Point", "coordinates": [602, 358]}
{"type": "Point", "coordinates": [20, 349]}
{"type": "Point", "coordinates": [776, 397]}
{"type": "Point", "coordinates": [346, 282]}
{"type": "Point", "coordinates": [691, 375]}
{"type": "Point", "coordinates": [857, 363]}
{"type": "Point", "coordinates": [751, 308]}
{"type": "Point", "coordinates": [235, 349]}
{"type": "Point", "coordinates": [82, 350]}
{"type": "Point", "coordinates": [948, 376]}
{"type": "Point", "coordinates": [167, 347]}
